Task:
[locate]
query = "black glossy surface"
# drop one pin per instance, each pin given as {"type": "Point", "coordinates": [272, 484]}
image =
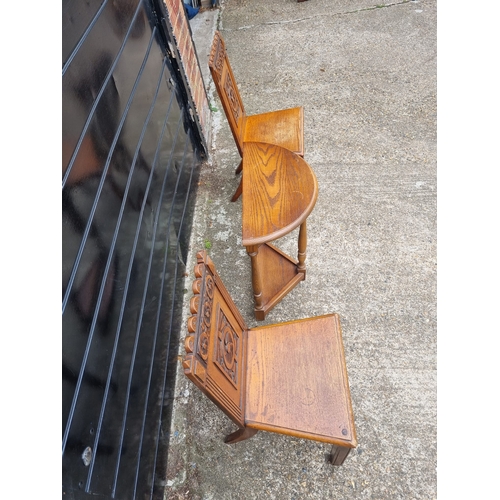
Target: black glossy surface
{"type": "Point", "coordinates": [129, 171]}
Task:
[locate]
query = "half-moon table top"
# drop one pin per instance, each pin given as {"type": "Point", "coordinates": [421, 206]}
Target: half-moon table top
{"type": "Point", "coordinates": [279, 192]}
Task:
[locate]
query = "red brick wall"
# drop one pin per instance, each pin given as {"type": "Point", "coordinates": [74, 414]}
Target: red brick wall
{"type": "Point", "coordinates": [189, 61]}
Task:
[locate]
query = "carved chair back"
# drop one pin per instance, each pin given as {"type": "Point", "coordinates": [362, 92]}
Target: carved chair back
{"type": "Point", "coordinates": [215, 347]}
{"type": "Point", "coordinates": [226, 86]}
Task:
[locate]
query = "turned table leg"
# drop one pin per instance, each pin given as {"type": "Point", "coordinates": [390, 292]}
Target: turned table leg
{"type": "Point", "coordinates": [301, 268]}
{"type": "Point", "coordinates": [253, 252]}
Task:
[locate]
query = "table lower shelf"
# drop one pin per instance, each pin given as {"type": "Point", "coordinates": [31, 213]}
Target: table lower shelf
{"type": "Point", "coordinates": [275, 274]}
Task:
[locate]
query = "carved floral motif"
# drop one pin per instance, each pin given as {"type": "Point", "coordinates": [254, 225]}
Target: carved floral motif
{"type": "Point", "coordinates": [204, 339]}
{"type": "Point", "coordinates": [218, 57]}
{"type": "Point", "coordinates": [209, 286]}
{"type": "Point", "coordinates": [232, 95]}
{"type": "Point", "coordinates": [219, 62]}
{"type": "Point", "coordinates": [227, 349]}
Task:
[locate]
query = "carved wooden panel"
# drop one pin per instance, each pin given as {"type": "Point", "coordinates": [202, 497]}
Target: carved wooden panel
{"type": "Point", "coordinates": [227, 349]}
{"type": "Point", "coordinates": [217, 56]}
{"type": "Point", "coordinates": [227, 89]}
{"type": "Point", "coordinates": [232, 97]}
{"type": "Point", "coordinates": [215, 349]}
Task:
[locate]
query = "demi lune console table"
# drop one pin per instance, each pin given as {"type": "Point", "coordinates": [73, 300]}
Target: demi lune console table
{"type": "Point", "coordinates": [280, 191]}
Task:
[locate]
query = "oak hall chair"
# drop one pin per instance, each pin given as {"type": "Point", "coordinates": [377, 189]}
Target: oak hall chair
{"type": "Point", "coordinates": [288, 378]}
{"type": "Point", "coordinates": [283, 127]}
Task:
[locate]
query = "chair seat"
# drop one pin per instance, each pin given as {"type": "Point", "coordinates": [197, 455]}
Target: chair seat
{"type": "Point", "coordinates": [297, 381]}
{"type": "Point", "coordinates": [284, 128]}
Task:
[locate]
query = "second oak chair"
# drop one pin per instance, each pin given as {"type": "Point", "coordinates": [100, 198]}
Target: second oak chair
{"type": "Point", "coordinates": [284, 127]}
{"type": "Point", "coordinates": [289, 378]}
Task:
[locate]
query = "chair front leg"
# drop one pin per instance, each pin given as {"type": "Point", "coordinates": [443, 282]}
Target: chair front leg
{"type": "Point", "coordinates": [238, 191]}
{"type": "Point", "coordinates": [240, 167]}
{"type": "Point", "coordinates": [240, 435]}
{"type": "Point", "coordinates": [338, 454]}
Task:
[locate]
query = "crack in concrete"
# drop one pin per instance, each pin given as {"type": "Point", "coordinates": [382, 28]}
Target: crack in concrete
{"type": "Point", "coordinates": [291, 21]}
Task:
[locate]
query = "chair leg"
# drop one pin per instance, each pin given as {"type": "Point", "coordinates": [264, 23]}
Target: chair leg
{"type": "Point", "coordinates": [238, 191]}
{"type": "Point", "coordinates": [240, 167]}
{"type": "Point", "coordinates": [339, 454]}
{"type": "Point", "coordinates": [240, 435]}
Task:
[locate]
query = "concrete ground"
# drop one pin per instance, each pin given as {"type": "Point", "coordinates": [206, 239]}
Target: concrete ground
{"type": "Point", "coordinates": [366, 74]}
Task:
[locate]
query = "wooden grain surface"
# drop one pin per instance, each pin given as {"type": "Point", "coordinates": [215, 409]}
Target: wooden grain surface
{"type": "Point", "coordinates": [279, 192]}
{"type": "Point", "coordinates": [284, 127]}
{"type": "Point", "coordinates": [297, 381]}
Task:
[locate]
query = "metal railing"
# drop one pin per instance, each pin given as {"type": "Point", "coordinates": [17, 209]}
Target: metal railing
{"type": "Point", "coordinates": [130, 162]}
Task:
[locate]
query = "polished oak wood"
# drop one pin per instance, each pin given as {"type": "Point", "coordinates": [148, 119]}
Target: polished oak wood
{"type": "Point", "coordinates": [280, 191]}
{"type": "Point", "coordinates": [284, 127]}
{"type": "Point", "coordinates": [289, 378]}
